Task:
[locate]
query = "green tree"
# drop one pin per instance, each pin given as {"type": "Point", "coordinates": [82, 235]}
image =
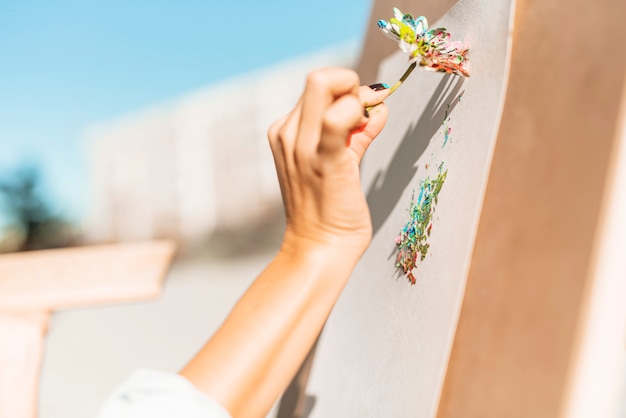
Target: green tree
{"type": "Point", "coordinates": [23, 204]}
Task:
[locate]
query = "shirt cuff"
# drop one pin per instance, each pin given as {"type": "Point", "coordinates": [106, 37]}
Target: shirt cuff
{"type": "Point", "coordinates": [157, 394]}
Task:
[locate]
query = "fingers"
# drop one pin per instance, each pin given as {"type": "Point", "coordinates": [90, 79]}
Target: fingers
{"type": "Point", "coordinates": [279, 154]}
{"type": "Point", "coordinates": [328, 117]}
{"type": "Point", "coordinates": [362, 137]}
{"type": "Point", "coordinates": [323, 87]}
{"type": "Point", "coordinates": [345, 116]}
{"type": "Point", "coordinates": [376, 123]}
{"type": "Point", "coordinates": [281, 135]}
{"type": "Point", "coordinates": [285, 129]}
{"type": "Point", "coordinates": [373, 95]}
{"type": "Point", "coordinates": [340, 118]}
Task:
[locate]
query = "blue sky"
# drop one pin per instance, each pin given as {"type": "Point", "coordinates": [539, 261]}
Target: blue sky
{"type": "Point", "coordinates": [67, 64]}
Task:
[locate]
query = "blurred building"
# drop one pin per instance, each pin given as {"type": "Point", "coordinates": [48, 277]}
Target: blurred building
{"type": "Point", "coordinates": [181, 169]}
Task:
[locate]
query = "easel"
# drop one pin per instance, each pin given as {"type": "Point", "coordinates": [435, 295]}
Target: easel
{"type": "Point", "coordinates": [541, 328]}
{"type": "Point", "coordinates": [35, 284]}
{"type": "Point", "coordinates": [557, 147]}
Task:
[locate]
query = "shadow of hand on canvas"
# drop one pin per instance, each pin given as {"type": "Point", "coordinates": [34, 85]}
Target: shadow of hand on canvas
{"type": "Point", "coordinates": [387, 186]}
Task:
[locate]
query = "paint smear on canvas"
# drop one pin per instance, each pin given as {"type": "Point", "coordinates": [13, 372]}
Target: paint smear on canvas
{"type": "Point", "coordinates": [412, 243]}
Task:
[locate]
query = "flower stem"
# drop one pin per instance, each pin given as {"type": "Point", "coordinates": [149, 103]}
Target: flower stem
{"type": "Point", "coordinates": [398, 83]}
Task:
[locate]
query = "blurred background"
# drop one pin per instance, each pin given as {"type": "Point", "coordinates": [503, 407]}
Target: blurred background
{"type": "Point", "coordinates": [116, 116]}
{"type": "Point", "coordinates": [126, 121]}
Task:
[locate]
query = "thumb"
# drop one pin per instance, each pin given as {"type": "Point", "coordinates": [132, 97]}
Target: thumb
{"type": "Point", "coordinates": [363, 136]}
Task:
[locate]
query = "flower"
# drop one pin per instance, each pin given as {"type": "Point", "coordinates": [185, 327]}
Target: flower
{"type": "Point", "coordinates": [432, 48]}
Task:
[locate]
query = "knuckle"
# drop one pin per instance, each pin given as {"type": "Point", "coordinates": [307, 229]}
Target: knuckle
{"type": "Point", "coordinates": [353, 105]}
{"type": "Point", "coordinates": [316, 79]}
{"type": "Point", "coordinates": [272, 131]}
{"type": "Point", "coordinates": [299, 159]}
{"type": "Point", "coordinates": [354, 77]}
{"type": "Point", "coordinates": [343, 117]}
{"type": "Point", "coordinates": [282, 134]}
{"type": "Point", "coordinates": [333, 124]}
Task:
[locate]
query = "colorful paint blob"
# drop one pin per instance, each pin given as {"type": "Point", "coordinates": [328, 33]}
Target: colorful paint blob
{"type": "Point", "coordinates": [412, 243]}
{"type": "Point", "coordinates": [431, 48]}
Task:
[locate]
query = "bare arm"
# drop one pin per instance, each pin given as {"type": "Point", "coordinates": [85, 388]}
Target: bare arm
{"type": "Point", "coordinates": [317, 149]}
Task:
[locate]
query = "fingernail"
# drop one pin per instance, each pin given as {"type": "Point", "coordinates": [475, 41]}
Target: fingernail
{"type": "Point", "coordinates": [379, 86]}
{"type": "Point", "coordinates": [366, 113]}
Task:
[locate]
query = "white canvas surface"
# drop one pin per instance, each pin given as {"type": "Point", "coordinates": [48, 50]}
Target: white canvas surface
{"type": "Point", "coordinates": [385, 348]}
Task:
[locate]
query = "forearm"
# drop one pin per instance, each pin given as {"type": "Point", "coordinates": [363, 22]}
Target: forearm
{"type": "Point", "coordinates": [253, 356]}
{"type": "Point", "coordinates": [317, 149]}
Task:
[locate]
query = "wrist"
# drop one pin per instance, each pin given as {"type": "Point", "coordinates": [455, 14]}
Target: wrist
{"type": "Point", "coordinates": [349, 244]}
{"type": "Point", "coordinates": [333, 255]}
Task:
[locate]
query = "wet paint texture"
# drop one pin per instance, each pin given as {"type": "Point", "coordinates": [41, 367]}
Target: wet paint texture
{"type": "Point", "coordinates": [430, 48]}
{"type": "Point", "coordinates": [412, 243]}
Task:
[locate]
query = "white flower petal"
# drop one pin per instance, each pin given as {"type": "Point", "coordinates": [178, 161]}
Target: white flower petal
{"type": "Point", "coordinates": [397, 14]}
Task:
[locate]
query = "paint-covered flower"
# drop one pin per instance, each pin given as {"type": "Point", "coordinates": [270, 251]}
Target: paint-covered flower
{"type": "Point", "coordinates": [405, 29]}
{"type": "Point", "coordinates": [431, 48]}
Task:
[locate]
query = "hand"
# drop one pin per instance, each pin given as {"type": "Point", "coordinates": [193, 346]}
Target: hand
{"type": "Point", "coordinates": [317, 149]}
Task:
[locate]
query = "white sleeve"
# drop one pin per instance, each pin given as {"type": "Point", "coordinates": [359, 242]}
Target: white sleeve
{"type": "Point", "coordinates": [155, 394]}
